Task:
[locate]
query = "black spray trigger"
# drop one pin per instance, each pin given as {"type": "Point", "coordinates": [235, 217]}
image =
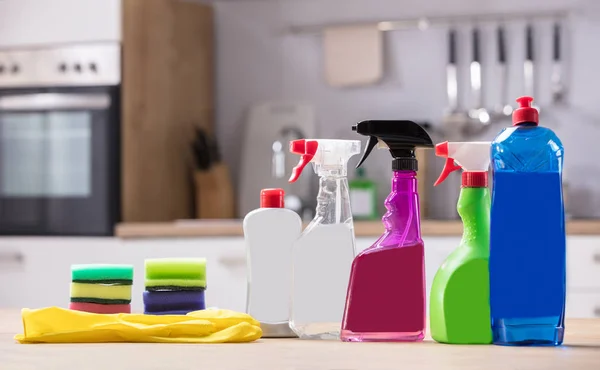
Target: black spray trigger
{"type": "Point", "coordinates": [370, 145]}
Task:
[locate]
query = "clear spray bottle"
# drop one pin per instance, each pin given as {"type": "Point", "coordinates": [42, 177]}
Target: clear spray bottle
{"type": "Point", "coordinates": [323, 254]}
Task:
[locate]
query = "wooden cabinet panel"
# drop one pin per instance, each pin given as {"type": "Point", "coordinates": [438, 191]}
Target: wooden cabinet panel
{"type": "Point", "coordinates": [167, 89]}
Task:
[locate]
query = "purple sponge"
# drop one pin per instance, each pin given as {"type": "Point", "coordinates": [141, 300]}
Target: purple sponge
{"type": "Point", "coordinates": [158, 302]}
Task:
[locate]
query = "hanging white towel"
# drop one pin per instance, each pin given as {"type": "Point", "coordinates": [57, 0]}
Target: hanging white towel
{"type": "Point", "coordinates": [353, 55]}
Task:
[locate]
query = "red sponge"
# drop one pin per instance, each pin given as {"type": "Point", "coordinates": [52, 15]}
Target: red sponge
{"type": "Point", "coordinates": [100, 308]}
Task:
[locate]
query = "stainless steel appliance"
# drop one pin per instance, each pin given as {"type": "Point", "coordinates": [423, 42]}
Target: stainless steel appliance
{"type": "Point", "coordinates": [59, 140]}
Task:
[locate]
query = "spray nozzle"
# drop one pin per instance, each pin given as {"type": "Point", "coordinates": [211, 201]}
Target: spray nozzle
{"type": "Point", "coordinates": [307, 150]}
{"type": "Point", "coordinates": [449, 167]}
{"type": "Point", "coordinates": [441, 150]}
{"type": "Point", "coordinates": [330, 156]}
{"type": "Point", "coordinates": [472, 157]}
{"type": "Point", "coordinates": [401, 138]}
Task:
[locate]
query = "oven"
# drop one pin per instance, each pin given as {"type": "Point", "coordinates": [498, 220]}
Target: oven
{"type": "Point", "coordinates": [59, 140]}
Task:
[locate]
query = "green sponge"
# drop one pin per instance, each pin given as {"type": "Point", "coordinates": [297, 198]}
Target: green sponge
{"type": "Point", "coordinates": [102, 273]}
{"type": "Point", "coordinates": [176, 268]}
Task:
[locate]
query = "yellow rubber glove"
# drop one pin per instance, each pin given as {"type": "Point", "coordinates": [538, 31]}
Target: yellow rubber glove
{"type": "Point", "coordinates": [59, 325]}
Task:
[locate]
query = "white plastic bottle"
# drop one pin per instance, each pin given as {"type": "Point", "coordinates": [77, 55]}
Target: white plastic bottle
{"type": "Point", "coordinates": [323, 255]}
{"type": "Point", "coordinates": [269, 232]}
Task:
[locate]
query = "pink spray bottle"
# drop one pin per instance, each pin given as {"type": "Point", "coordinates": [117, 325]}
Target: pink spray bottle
{"type": "Point", "coordinates": [386, 293]}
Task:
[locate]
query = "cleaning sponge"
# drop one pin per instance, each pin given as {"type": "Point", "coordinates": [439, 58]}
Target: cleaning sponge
{"type": "Point", "coordinates": [101, 288]}
{"type": "Point", "coordinates": [101, 291]}
{"type": "Point", "coordinates": [102, 273]}
{"type": "Point", "coordinates": [174, 285]}
{"type": "Point", "coordinates": [170, 301]}
{"type": "Point", "coordinates": [176, 268]}
{"type": "Point", "coordinates": [100, 308]}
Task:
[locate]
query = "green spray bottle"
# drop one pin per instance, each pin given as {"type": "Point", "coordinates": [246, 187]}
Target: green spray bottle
{"type": "Point", "coordinates": [459, 304]}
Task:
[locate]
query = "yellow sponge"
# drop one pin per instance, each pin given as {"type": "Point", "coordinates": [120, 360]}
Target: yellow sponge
{"type": "Point", "coordinates": [101, 291]}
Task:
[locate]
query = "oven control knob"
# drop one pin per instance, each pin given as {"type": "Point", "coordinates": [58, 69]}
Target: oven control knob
{"type": "Point", "coordinates": [93, 67]}
{"type": "Point", "coordinates": [62, 67]}
{"type": "Point", "coordinates": [2, 68]}
{"type": "Point", "coordinates": [15, 69]}
{"type": "Point", "coordinates": [77, 67]}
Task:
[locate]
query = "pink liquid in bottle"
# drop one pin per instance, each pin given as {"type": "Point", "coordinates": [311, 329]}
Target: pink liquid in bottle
{"type": "Point", "coordinates": [386, 294]}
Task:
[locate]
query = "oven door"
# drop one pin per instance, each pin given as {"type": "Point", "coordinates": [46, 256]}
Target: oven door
{"type": "Point", "coordinates": [59, 162]}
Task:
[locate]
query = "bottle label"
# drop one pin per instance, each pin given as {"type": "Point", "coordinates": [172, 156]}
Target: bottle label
{"type": "Point", "coordinates": [360, 201]}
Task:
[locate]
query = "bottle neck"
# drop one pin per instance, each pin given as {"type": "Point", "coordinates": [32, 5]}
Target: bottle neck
{"type": "Point", "coordinates": [474, 209]}
{"type": "Point", "coordinates": [333, 201]}
{"type": "Point", "coordinates": [330, 171]}
{"type": "Point", "coordinates": [474, 179]}
{"type": "Point", "coordinates": [403, 207]}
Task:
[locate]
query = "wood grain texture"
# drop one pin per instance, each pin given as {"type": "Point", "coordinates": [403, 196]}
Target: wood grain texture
{"type": "Point", "coordinates": [361, 228]}
{"type": "Point", "coordinates": [581, 351]}
{"type": "Point", "coordinates": [167, 89]}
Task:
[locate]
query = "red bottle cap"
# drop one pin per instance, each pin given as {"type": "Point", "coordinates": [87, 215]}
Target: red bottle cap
{"type": "Point", "coordinates": [271, 198]}
{"type": "Point", "coordinates": [525, 113]}
{"type": "Point", "coordinates": [474, 179]}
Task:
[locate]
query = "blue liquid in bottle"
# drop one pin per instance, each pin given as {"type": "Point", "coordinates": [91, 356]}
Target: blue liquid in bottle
{"type": "Point", "coordinates": [527, 234]}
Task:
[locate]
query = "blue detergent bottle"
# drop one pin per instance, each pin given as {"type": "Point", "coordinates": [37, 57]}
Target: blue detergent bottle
{"type": "Point", "coordinates": [527, 233]}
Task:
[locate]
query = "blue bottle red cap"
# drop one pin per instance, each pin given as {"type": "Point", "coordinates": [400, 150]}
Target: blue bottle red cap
{"type": "Point", "coordinates": [525, 113]}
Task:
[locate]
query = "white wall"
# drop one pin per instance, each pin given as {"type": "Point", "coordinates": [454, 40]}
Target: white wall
{"type": "Point", "coordinates": [258, 62]}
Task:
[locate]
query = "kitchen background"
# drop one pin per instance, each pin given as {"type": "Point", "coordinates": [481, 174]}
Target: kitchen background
{"type": "Point", "coordinates": [155, 123]}
{"type": "Point", "coordinates": [259, 60]}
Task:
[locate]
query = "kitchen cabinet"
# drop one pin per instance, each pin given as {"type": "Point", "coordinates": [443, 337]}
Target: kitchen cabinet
{"type": "Point", "coordinates": [583, 257]}
{"type": "Point", "coordinates": [168, 82]}
{"type": "Point", "coordinates": [36, 271]}
{"type": "Point", "coordinates": [39, 23]}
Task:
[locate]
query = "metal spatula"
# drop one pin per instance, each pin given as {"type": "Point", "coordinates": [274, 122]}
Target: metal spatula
{"type": "Point", "coordinates": [558, 87]}
{"type": "Point", "coordinates": [454, 118]}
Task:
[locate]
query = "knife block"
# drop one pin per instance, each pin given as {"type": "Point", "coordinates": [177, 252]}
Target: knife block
{"type": "Point", "coordinates": [214, 193]}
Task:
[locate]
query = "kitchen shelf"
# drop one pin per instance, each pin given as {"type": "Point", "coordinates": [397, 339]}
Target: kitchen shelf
{"type": "Point", "coordinates": [233, 228]}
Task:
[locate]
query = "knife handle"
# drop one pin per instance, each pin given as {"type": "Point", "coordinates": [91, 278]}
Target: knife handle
{"type": "Point", "coordinates": [529, 43]}
{"type": "Point", "coordinates": [452, 47]}
{"type": "Point", "coordinates": [556, 43]}
{"type": "Point", "coordinates": [476, 45]}
{"type": "Point", "coordinates": [501, 46]}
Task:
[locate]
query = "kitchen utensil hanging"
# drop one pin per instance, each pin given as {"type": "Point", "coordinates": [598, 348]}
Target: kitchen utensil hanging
{"type": "Point", "coordinates": [479, 114]}
{"type": "Point", "coordinates": [504, 108]}
{"type": "Point", "coordinates": [481, 118]}
{"type": "Point", "coordinates": [454, 118]}
{"type": "Point", "coordinates": [559, 113]}
{"type": "Point", "coordinates": [452, 74]}
{"type": "Point", "coordinates": [558, 87]}
{"type": "Point", "coordinates": [529, 65]}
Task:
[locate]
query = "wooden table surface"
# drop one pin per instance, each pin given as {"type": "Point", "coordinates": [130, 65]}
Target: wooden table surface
{"type": "Point", "coordinates": [581, 351]}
